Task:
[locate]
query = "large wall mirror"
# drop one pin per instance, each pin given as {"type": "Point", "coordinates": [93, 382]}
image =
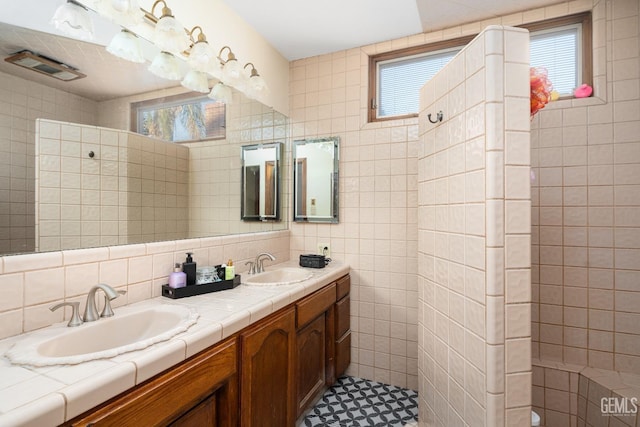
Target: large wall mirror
{"type": "Point", "coordinates": [172, 191]}
{"type": "Point", "coordinates": [261, 182]}
{"type": "Point", "coordinates": [315, 179]}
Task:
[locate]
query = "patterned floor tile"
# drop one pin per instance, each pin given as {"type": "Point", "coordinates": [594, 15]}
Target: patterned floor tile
{"type": "Point", "coordinates": [355, 402]}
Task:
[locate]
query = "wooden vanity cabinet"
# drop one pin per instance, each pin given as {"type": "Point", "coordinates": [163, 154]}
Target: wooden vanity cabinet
{"type": "Point", "coordinates": [266, 375]}
{"type": "Point", "coordinates": [201, 391]}
{"type": "Point", "coordinates": [267, 372]}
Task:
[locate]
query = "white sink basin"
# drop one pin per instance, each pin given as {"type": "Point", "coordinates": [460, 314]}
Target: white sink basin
{"type": "Point", "coordinates": [281, 276]}
{"type": "Point", "coordinates": [128, 330]}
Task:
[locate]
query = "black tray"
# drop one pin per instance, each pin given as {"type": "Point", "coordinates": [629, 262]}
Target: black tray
{"type": "Point", "coordinates": [189, 291]}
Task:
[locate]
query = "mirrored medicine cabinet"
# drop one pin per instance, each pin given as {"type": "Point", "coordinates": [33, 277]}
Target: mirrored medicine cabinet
{"type": "Point", "coordinates": [260, 199]}
{"type": "Point", "coordinates": [315, 180]}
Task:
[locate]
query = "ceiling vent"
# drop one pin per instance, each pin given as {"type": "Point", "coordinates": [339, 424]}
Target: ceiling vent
{"type": "Point", "coordinates": [44, 65]}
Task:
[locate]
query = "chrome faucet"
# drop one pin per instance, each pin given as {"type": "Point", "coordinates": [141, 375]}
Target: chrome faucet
{"type": "Point", "coordinates": [90, 310]}
{"type": "Point", "coordinates": [259, 262]}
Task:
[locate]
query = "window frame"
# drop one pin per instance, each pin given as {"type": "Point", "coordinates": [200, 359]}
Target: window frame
{"type": "Point", "coordinates": [586, 56]}
{"type": "Point", "coordinates": [169, 101]}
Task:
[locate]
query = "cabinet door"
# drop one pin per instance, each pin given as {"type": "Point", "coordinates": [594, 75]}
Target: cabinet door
{"type": "Point", "coordinates": [202, 415]}
{"type": "Point", "coordinates": [311, 361]}
{"type": "Point", "coordinates": [267, 396]}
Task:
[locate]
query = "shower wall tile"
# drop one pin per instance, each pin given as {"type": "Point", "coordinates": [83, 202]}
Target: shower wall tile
{"type": "Point", "coordinates": [588, 232]}
{"type": "Point", "coordinates": [495, 259]}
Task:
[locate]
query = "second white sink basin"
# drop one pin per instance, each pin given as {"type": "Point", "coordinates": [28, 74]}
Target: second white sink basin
{"type": "Point", "coordinates": [281, 276]}
{"type": "Point", "coordinates": [128, 331]}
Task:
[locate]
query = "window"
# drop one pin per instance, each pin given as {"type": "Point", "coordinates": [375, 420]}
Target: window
{"type": "Point", "coordinates": [396, 77]}
{"type": "Point", "coordinates": [180, 118]}
{"type": "Point", "coordinates": [400, 80]}
{"type": "Point", "coordinates": [562, 46]}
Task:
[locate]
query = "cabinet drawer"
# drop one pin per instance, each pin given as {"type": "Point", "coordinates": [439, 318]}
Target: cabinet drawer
{"type": "Point", "coordinates": [343, 354]}
{"type": "Point", "coordinates": [169, 395]}
{"type": "Point", "coordinates": [343, 313]}
{"type": "Point", "coordinates": [343, 286]}
{"type": "Point", "coordinates": [315, 304]}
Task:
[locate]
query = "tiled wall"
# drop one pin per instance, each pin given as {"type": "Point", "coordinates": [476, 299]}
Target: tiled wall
{"type": "Point", "coordinates": [134, 189]}
{"type": "Point", "coordinates": [30, 284]}
{"type": "Point", "coordinates": [586, 207]}
{"type": "Point", "coordinates": [378, 197]}
{"type": "Point", "coordinates": [21, 103]}
{"type": "Point", "coordinates": [474, 237]}
{"type": "Point", "coordinates": [377, 232]}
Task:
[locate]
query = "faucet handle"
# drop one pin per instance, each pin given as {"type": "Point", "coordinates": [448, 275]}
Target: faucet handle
{"type": "Point", "coordinates": [252, 267]}
{"type": "Point", "coordinates": [107, 311]}
{"type": "Point", "coordinates": [75, 317]}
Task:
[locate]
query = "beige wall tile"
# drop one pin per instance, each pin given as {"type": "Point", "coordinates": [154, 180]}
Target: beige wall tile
{"type": "Point", "coordinates": [43, 286]}
{"type": "Point", "coordinates": [80, 278]}
{"type": "Point", "coordinates": [12, 287]}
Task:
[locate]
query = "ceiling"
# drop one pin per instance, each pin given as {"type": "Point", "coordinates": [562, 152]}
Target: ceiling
{"type": "Point", "coordinates": [296, 28]}
{"type": "Point", "coordinates": [304, 28]}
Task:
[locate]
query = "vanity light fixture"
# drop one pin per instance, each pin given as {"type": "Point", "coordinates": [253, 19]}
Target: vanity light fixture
{"type": "Point", "coordinates": [231, 72]}
{"type": "Point", "coordinates": [124, 12]}
{"type": "Point", "coordinates": [201, 54]}
{"type": "Point", "coordinates": [126, 45]}
{"type": "Point", "coordinates": [166, 65]}
{"type": "Point", "coordinates": [257, 86]}
{"type": "Point", "coordinates": [169, 35]}
{"type": "Point", "coordinates": [196, 81]}
{"type": "Point", "coordinates": [73, 19]}
{"type": "Point", "coordinates": [221, 93]}
{"type": "Point", "coordinates": [172, 39]}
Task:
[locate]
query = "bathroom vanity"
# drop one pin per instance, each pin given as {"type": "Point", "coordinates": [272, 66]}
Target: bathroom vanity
{"type": "Point", "coordinates": [267, 373]}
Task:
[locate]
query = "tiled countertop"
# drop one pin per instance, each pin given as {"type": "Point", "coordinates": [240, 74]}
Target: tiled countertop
{"type": "Point", "coordinates": [49, 396]}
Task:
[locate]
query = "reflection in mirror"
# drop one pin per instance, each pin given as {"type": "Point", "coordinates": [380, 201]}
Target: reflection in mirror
{"type": "Point", "coordinates": [315, 180]}
{"type": "Point", "coordinates": [261, 182]}
{"type": "Point", "coordinates": [83, 194]}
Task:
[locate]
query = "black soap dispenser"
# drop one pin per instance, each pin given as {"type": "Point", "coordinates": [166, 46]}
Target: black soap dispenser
{"type": "Point", "coordinates": [189, 267]}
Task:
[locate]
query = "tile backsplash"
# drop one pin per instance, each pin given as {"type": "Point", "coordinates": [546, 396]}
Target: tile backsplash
{"type": "Point", "coordinates": [32, 283]}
